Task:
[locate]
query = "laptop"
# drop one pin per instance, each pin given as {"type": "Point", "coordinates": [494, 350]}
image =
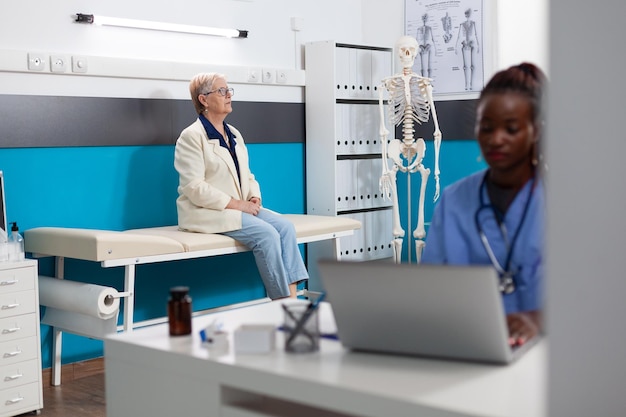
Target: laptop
{"type": "Point", "coordinates": [439, 311]}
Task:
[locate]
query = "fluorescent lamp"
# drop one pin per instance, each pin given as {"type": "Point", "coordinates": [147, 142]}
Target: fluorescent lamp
{"type": "Point", "coordinates": [168, 27]}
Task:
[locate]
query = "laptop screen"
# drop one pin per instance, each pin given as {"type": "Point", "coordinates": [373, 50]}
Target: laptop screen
{"type": "Point", "coordinates": [3, 213]}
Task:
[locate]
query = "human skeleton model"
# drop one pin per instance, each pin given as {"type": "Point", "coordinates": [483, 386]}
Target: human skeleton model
{"type": "Point", "coordinates": [410, 102]}
{"type": "Point", "coordinates": [426, 43]}
{"type": "Point", "coordinates": [469, 43]}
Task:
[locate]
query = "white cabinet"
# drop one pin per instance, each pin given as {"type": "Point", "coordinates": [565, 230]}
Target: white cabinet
{"type": "Point", "coordinates": [21, 388]}
{"type": "Point", "coordinates": [343, 149]}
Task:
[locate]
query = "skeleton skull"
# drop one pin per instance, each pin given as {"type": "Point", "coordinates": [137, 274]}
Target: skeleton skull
{"type": "Point", "coordinates": [407, 50]}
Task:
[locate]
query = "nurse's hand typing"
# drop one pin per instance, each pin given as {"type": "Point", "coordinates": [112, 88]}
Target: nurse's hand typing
{"type": "Point", "coordinates": [523, 326]}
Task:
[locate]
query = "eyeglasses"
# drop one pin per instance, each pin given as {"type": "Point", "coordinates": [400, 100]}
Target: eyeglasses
{"type": "Point", "coordinates": [221, 91]}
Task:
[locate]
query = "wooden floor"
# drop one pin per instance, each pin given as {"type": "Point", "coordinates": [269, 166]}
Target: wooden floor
{"type": "Point", "coordinates": [79, 397]}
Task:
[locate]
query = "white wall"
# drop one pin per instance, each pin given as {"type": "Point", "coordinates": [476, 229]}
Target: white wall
{"type": "Point", "coordinates": [383, 22]}
{"type": "Point", "coordinates": [522, 28]}
{"type": "Point", "coordinates": [49, 27]}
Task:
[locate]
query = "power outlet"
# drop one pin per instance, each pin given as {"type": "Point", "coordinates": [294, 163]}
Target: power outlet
{"type": "Point", "coordinates": [281, 76]}
{"type": "Point", "coordinates": [36, 62]}
{"type": "Point", "coordinates": [79, 64]}
{"type": "Point", "coordinates": [254, 75]}
{"type": "Point", "coordinates": [58, 63]}
{"type": "Point", "coordinates": [268, 75]}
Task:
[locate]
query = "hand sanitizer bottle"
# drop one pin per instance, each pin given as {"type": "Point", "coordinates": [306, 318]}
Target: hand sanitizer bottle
{"type": "Point", "coordinates": [16, 244]}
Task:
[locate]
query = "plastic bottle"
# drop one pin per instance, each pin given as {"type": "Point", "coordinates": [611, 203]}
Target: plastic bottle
{"type": "Point", "coordinates": [16, 244]}
{"type": "Point", "coordinates": [179, 311]}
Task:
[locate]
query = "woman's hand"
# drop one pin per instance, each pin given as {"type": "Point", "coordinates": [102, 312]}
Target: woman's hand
{"type": "Point", "coordinates": [523, 326]}
{"type": "Point", "coordinates": [250, 207]}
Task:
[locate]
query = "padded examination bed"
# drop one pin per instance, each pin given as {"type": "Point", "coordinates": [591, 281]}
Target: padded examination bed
{"type": "Point", "coordinates": [161, 244]}
{"type": "Point", "coordinates": [156, 244]}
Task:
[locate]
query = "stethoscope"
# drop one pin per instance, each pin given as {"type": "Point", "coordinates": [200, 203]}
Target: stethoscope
{"type": "Point", "coordinates": [507, 283]}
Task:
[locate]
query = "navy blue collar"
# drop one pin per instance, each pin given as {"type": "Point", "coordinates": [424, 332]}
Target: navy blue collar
{"type": "Point", "coordinates": [212, 133]}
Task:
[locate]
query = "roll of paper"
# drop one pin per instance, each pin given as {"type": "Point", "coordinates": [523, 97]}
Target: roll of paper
{"type": "Point", "coordinates": [78, 297]}
{"type": "Point", "coordinates": [81, 324]}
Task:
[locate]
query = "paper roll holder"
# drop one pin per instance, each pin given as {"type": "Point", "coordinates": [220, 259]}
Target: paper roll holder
{"type": "Point", "coordinates": [108, 300]}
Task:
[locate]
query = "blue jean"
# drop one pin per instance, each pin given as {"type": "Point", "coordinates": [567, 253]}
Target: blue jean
{"type": "Point", "coordinates": [272, 240]}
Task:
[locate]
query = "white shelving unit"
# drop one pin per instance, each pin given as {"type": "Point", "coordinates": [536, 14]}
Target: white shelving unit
{"type": "Point", "coordinates": [343, 149]}
{"type": "Point", "coordinates": [21, 388]}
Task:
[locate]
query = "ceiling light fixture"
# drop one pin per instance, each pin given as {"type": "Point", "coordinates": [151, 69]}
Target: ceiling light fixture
{"type": "Point", "coordinates": [168, 27]}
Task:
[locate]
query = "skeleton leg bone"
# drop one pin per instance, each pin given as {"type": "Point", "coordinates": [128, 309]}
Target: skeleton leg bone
{"type": "Point", "coordinates": [420, 232]}
{"type": "Point", "coordinates": [419, 247]}
{"type": "Point", "coordinates": [397, 231]}
{"type": "Point", "coordinates": [467, 52]}
{"type": "Point", "coordinates": [471, 68]}
{"type": "Point", "coordinates": [397, 250]}
{"type": "Point", "coordinates": [387, 182]}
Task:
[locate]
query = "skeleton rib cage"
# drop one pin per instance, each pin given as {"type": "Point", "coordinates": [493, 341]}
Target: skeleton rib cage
{"type": "Point", "coordinates": [419, 109]}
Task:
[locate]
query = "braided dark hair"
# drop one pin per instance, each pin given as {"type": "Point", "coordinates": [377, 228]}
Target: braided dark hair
{"type": "Point", "coordinates": [526, 79]}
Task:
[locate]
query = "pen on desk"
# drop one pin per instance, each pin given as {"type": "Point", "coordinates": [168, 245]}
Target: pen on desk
{"type": "Point", "coordinates": [315, 303]}
{"type": "Point", "coordinates": [305, 317]}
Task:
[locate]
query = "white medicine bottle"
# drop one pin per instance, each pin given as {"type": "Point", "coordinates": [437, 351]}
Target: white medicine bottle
{"type": "Point", "coordinates": [16, 244]}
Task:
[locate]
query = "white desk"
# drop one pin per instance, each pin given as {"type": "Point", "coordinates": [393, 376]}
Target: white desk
{"type": "Point", "coordinates": [150, 374]}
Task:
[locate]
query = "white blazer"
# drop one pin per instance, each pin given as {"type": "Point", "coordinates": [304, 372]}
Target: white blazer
{"type": "Point", "coordinates": [208, 180]}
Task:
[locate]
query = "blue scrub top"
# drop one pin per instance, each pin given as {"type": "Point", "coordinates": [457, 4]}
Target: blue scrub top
{"type": "Point", "coordinates": [453, 237]}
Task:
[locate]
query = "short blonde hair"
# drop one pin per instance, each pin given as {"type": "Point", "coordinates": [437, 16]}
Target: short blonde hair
{"type": "Point", "coordinates": [202, 83]}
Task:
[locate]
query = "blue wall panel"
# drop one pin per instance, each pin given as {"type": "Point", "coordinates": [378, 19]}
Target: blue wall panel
{"type": "Point", "coordinates": [131, 187]}
{"type": "Point", "coordinates": [97, 187]}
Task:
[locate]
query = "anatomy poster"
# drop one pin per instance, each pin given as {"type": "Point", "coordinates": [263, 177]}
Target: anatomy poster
{"type": "Point", "coordinates": [450, 38]}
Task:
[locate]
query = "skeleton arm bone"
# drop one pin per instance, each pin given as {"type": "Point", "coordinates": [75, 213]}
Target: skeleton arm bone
{"type": "Point", "coordinates": [385, 181]}
{"type": "Point", "coordinates": [476, 37]}
{"type": "Point", "coordinates": [436, 138]}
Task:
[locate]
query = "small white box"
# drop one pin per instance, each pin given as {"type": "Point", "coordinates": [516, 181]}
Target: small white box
{"type": "Point", "coordinates": [255, 338]}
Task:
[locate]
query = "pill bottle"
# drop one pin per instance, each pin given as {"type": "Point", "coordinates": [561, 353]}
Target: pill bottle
{"type": "Point", "coordinates": [179, 311]}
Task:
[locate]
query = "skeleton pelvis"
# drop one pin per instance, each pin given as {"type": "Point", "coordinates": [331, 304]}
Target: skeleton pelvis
{"type": "Point", "coordinates": [406, 153]}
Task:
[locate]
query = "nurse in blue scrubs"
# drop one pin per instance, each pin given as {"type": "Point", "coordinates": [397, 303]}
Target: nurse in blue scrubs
{"type": "Point", "coordinates": [496, 216]}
